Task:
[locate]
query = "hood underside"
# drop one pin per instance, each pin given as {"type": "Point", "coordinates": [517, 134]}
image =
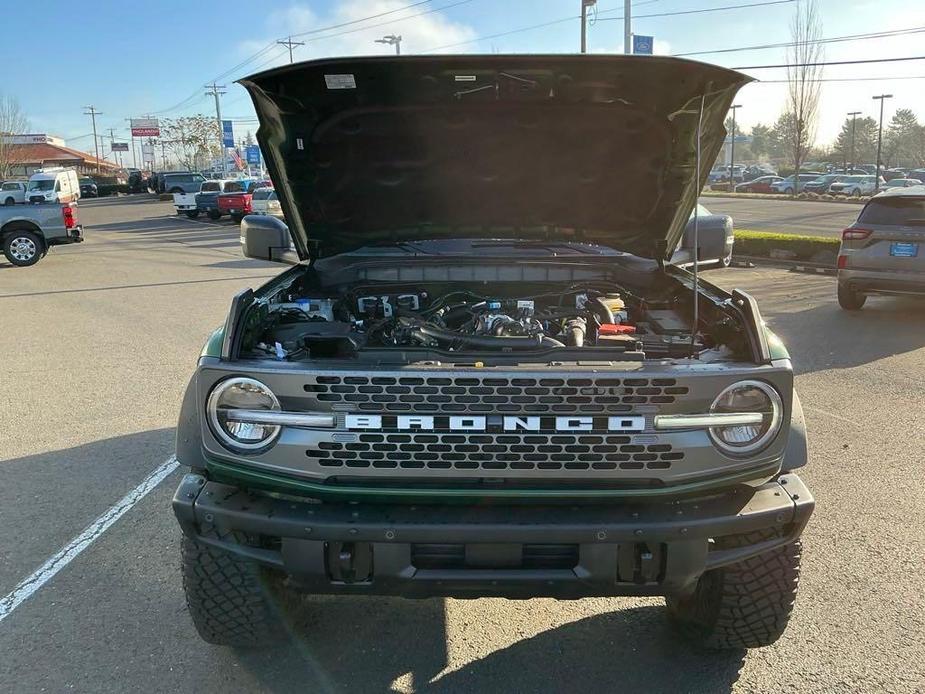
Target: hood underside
{"type": "Point", "coordinates": [599, 149]}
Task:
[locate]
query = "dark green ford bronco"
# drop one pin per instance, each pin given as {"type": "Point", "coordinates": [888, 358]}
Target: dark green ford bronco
{"type": "Point", "coordinates": [482, 377]}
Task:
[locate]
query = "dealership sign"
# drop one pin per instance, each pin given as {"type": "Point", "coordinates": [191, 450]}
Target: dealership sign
{"type": "Point", "coordinates": [227, 133]}
{"type": "Point", "coordinates": [120, 146]}
{"type": "Point", "coordinates": [145, 127]}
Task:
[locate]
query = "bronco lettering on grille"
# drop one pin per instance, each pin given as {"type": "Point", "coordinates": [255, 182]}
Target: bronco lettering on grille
{"type": "Point", "coordinates": [493, 423]}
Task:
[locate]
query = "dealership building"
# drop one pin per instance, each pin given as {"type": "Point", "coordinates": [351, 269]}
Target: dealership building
{"type": "Point", "coordinates": [30, 152]}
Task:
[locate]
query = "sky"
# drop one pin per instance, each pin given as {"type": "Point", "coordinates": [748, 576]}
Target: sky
{"type": "Point", "coordinates": [131, 59]}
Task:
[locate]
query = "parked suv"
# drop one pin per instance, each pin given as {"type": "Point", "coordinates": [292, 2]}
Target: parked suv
{"type": "Point", "coordinates": [491, 385]}
{"type": "Point", "coordinates": [788, 186]}
{"type": "Point", "coordinates": [856, 186]}
{"type": "Point", "coordinates": [883, 252]}
{"type": "Point", "coordinates": [12, 192]}
{"type": "Point", "coordinates": [182, 182]}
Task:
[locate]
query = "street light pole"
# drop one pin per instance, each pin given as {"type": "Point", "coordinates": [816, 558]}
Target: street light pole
{"type": "Point", "coordinates": [854, 123]}
{"type": "Point", "coordinates": [732, 154]}
{"type": "Point", "coordinates": [881, 98]}
{"type": "Point", "coordinates": [627, 27]}
{"type": "Point", "coordinates": [392, 40]}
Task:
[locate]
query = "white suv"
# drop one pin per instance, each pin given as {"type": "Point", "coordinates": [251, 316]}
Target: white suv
{"type": "Point", "coordinates": [856, 186]}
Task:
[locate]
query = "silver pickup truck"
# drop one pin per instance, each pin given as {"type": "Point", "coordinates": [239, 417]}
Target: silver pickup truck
{"type": "Point", "coordinates": [27, 232]}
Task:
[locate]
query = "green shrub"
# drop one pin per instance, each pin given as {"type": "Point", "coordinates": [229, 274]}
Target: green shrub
{"type": "Point", "coordinates": [759, 244]}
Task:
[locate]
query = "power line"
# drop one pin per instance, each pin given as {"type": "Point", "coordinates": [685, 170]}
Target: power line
{"type": "Point", "coordinates": [289, 43]}
{"type": "Point", "coordinates": [562, 20]}
{"type": "Point", "coordinates": [788, 44]}
{"type": "Point", "coordinates": [364, 19]}
{"type": "Point", "coordinates": [849, 79]}
{"type": "Point", "coordinates": [832, 62]}
{"type": "Point", "coordinates": [702, 10]}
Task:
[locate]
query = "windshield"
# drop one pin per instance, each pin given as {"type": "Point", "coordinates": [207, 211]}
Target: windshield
{"type": "Point", "coordinates": [42, 184]}
{"type": "Point", "coordinates": [87, 182]}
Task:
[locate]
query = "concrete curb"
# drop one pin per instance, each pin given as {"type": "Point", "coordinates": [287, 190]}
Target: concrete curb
{"type": "Point", "coordinates": [787, 198]}
{"type": "Point", "coordinates": [745, 261]}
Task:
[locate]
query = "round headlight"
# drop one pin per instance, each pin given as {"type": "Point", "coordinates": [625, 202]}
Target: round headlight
{"type": "Point", "coordinates": [747, 396]}
{"type": "Point", "coordinates": [227, 408]}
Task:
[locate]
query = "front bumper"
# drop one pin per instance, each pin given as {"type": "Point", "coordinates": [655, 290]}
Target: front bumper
{"type": "Point", "coordinates": [649, 548]}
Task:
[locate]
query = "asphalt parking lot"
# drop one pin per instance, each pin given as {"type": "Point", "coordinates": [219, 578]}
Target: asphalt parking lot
{"type": "Point", "coordinates": [99, 341]}
{"type": "Point", "coordinates": [801, 217]}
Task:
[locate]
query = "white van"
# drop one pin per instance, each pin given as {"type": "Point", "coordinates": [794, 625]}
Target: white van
{"type": "Point", "coordinates": [53, 185]}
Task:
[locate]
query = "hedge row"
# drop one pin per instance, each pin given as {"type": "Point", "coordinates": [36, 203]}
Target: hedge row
{"type": "Point", "coordinates": [767, 244]}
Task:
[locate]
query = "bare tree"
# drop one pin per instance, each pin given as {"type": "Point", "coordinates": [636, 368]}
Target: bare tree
{"type": "Point", "coordinates": [803, 85]}
{"type": "Point", "coordinates": [193, 140]}
{"type": "Point", "coordinates": [12, 122]}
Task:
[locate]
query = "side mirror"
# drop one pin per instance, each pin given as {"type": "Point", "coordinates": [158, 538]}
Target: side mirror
{"type": "Point", "coordinates": [266, 238]}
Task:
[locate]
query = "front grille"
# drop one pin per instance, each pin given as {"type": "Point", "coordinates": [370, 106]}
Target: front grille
{"type": "Point", "coordinates": [492, 395]}
{"type": "Point", "coordinates": [494, 452]}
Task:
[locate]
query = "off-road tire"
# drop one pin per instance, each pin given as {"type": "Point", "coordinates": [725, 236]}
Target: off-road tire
{"type": "Point", "coordinates": [230, 600]}
{"type": "Point", "coordinates": [192, 214]}
{"type": "Point", "coordinates": [744, 605]}
{"type": "Point", "coordinates": [236, 218]}
{"type": "Point", "coordinates": [850, 300]}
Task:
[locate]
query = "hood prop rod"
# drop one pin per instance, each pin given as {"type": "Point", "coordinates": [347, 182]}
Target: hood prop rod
{"type": "Point", "coordinates": [696, 323]}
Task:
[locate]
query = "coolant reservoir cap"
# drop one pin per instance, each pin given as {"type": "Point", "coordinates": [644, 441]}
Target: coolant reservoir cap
{"type": "Point", "coordinates": [615, 329]}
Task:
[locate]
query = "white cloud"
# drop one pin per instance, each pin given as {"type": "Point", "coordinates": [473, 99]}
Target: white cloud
{"type": "Point", "coordinates": [419, 32]}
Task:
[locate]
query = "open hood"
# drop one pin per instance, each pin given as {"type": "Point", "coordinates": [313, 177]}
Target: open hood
{"type": "Point", "coordinates": [599, 149]}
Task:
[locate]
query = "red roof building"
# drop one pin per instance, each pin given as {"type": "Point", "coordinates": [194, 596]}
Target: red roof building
{"type": "Point", "coordinates": [27, 158]}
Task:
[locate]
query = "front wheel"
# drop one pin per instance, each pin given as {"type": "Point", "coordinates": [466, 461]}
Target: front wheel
{"type": "Point", "coordinates": [23, 248]}
{"type": "Point", "coordinates": [229, 599]}
{"type": "Point", "coordinates": [850, 300]}
{"type": "Point", "coordinates": [788, 191]}
{"type": "Point", "coordinates": [215, 215]}
{"type": "Point", "coordinates": [744, 605]}
{"type": "Point", "coordinates": [856, 193]}
{"type": "Point", "coordinates": [192, 214]}
{"type": "Point", "coordinates": [236, 218]}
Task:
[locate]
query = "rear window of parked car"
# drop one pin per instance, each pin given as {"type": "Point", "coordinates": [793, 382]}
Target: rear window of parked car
{"type": "Point", "coordinates": [894, 211]}
{"type": "Point", "coordinates": [262, 194]}
{"type": "Point", "coordinates": [234, 188]}
{"type": "Point", "coordinates": [11, 186]}
{"type": "Point", "coordinates": [211, 186]}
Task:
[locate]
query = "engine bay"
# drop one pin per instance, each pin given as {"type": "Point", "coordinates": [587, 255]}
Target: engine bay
{"type": "Point", "coordinates": [594, 319]}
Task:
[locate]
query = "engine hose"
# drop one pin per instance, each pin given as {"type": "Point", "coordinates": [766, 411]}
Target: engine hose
{"type": "Point", "coordinates": [575, 331]}
{"type": "Point", "coordinates": [600, 310]}
{"type": "Point", "coordinates": [485, 341]}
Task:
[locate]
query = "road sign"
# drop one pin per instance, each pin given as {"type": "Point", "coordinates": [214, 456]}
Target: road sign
{"type": "Point", "coordinates": [642, 45]}
{"type": "Point", "coordinates": [252, 153]}
{"type": "Point", "coordinates": [227, 134]}
{"type": "Point", "coordinates": [119, 147]}
{"type": "Point", "coordinates": [145, 127]}
{"type": "Point", "coordinates": [147, 152]}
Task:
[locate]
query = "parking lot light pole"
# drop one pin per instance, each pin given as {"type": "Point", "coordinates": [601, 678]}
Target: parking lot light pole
{"type": "Point", "coordinates": [392, 40]}
{"type": "Point", "coordinates": [881, 98]}
{"type": "Point", "coordinates": [732, 153]}
{"type": "Point", "coordinates": [854, 122]}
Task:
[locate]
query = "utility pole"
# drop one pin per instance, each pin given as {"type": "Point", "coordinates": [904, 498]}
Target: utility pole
{"type": "Point", "coordinates": [392, 40]}
{"type": "Point", "coordinates": [732, 154]}
{"type": "Point", "coordinates": [627, 27]}
{"type": "Point", "coordinates": [112, 141]}
{"type": "Point", "coordinates": [881, 98]}
{"type": "Point", "coordinates": [585, 4]}
{"type": "Point", "coordinates": [164, 154]}
{"type": "Point", "coordinates": [854, 124]}
{"type": "Point", "coordinates": [217, 90]}
{"type": "Point", "coordinates": [289, 43]}
{"type": "Point", "coordinates": [93, 113]}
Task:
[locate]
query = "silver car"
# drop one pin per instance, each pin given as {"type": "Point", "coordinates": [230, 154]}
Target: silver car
{"type": "Point", "coordinates": [883, 252]}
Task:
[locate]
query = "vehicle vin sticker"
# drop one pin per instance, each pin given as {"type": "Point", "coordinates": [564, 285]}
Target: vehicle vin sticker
{"type": "Point", "coordinates": [340, 81]}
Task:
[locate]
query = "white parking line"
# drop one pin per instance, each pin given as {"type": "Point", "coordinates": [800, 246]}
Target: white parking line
{"type": "Point", "coordinates": [32, 583]}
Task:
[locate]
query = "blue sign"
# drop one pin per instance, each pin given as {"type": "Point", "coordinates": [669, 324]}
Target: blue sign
{"type": "Point", "coordinates": [227, 134]}
{"type": "Point", "coordinates": [643, 44]}
{"type": "Point", "coordinates": [252, 154]}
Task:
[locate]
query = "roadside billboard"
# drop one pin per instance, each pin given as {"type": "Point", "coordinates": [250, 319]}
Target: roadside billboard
{"type": "Point", "coordinates": [145, 127]}
{"type": "Point", "coordinates": [119, 147]}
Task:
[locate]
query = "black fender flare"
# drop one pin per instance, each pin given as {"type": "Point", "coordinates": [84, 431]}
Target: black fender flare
{"type": "Point", "coordinates": [796, 454]}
